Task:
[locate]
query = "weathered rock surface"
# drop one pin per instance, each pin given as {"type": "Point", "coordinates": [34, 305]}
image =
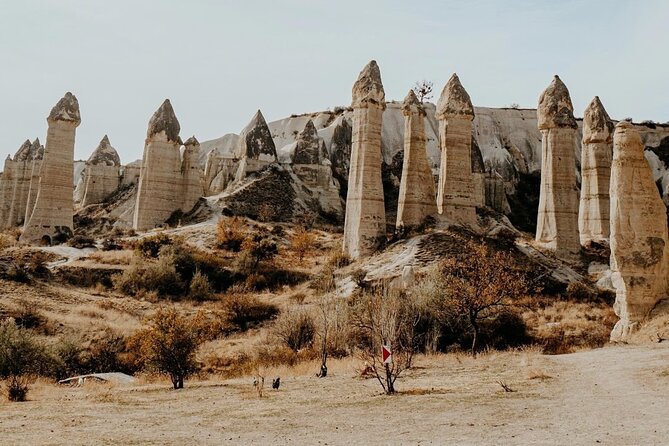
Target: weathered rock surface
{"type": "Point", "coordinates": [557, 220]}
{"type": "Point", "coordinates": [256, 147]}
{"type": "Point", "coordinates": [456, 194]}
{"type": "Point", "coordinates": [219, 171]}
{"type": "Point", "coordinates": [639, 240]}
{"type": "Point", "coordinates": [159, 191]}
{"type": "Point", "coordinates": [365, 219]}
{"type": "Point", "coordinates": [37, 150]}
{"type": "Point", "coordinates": [596, 154]}
{"type": "Point", "coordinates": [51, 217]}
{"type": "Point", "coordinates": [101, 174]}
{"type": "Point", "coordinates": [192, 183]}
{"type": "Point", "coordinates": [309, 148]}
{"type": "Point", "coordinates": [417, 198]}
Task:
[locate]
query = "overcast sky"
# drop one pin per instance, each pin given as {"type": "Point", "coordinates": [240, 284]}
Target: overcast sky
{"type": "Point", "coordinates": [219, 61]}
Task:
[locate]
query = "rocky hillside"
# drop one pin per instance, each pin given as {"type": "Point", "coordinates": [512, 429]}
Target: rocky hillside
{"type": "Point", "coordinates": [508, 140]}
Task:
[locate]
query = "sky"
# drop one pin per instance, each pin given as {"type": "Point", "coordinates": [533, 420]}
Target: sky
{"type": "Point", "coordinates": [219, 61]}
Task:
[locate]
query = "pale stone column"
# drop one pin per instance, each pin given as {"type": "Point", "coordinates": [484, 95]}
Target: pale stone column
{"type": "Point", "coordinates": [456, 195]}
{"type": "Point", "coordinates": [102, 174]}
{"type": "Point", "coordinates": [6, 182]}
{"type": "Point", "coordinates": [417, 199]}
{"type": "Point", "coordinates": [159, 190]}
{"type": "Point", "coordinates": [596, 153]}
{"type": "Point", "coordinates": [557, 220]}
{"type": "Point", "coordinates": [192, 181]}
{"type": "Point", "coordinates": [54, 204]}
{"type": "Point", "coordinates": [365, 220]}
{"type": "Point", "coordinates": [639, 240]}
{"type": "Point", "coordinates": [37, 150]}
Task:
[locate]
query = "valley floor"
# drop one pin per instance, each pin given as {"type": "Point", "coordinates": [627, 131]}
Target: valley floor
{"type": "Point", "coordinates": [615, 395]}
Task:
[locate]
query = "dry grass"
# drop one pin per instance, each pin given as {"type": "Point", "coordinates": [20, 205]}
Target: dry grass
{"type": "Point", "coordinates": [123, 257]}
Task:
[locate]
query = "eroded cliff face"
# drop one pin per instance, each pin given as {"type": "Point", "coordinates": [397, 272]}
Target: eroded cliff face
{"type": "Point", "coordinates": [508, 138]}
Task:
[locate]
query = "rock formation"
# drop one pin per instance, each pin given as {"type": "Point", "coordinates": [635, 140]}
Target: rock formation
{"type": "Point", "coordinates": [557, 220]}
{"type": "Point", "coordinates": [14, 186]}
{"type": "Point", "coordinates": [101, 174]}
{"type": "Point", "coordinates": [159, 191]}
{"type": "Point", "coordinates": [365, 220]}
{"type": "Point", "coordinates": [51, 217]}
{"type": "Point", "coordinates": [639, 240]}
{"type": "Point", "coordinates": [309, 147]}
{"type": "Point", "coordinates": [256, 147]}
{"type": "Point", "coordinates": [417, 199]}
{"type": "Point", "coordinates": [38, 155]}
{"type": "Point", "coordinates": [219, 171]}
{"type": "Point", "coordinates": [192, 188]}
{"type": "Point", "coordinates": [596, 153]}
{"type": "Point", "coordinates": [340, 152]}
{"type": "Point", "coordinates": [456, 195]}
{"type": "Point", "coordinates": [314, 169]}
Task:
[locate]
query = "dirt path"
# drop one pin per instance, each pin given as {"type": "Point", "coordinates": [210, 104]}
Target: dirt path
{"type": "Point", "coordinates": [613, 396]}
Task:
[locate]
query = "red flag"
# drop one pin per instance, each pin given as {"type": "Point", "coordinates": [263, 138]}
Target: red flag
{"type": "Point", "coordinates": [386, 354]}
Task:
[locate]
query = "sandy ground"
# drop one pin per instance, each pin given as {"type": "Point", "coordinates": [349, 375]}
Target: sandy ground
{"type": "Point", "coordinates": [616, 395]}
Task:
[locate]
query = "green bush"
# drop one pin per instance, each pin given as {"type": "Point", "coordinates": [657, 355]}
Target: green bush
{"type": "Point", "coordinates": [151, 246]}
{"type": "Point", "coordinates": [200, 288]}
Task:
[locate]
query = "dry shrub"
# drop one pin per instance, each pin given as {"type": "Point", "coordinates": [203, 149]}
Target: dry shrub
{"type": "Point", "coordinates": [200, 288]}
{"type": "Point", "coordinates": [302, 242]}
{"type": "Point", "coordinates": [581, 292]}
{"type": "Point", "coordinates": [160, 276]}
{"type": "Point", "coordinates": [81, 241]}
{"type": "Point", "coordinates": [566, 326]}
{"type": "Point", "coordinates": [150, 246]}
{"type": "Point", "coordinates": [230, 233]}
{"type": "Point", "coordinates": [298, 298]}
{"type": "Point", "coordinates": [116, 257]}
{"type": "Point", "coordinates": [6, 241]}
{"type": "Point", "coordinates": [325, 281]}
{"type": "Point", "coordinates": [245, 311]}
{"type": "Point", "coordinates": [295, 329]}
{"type": "Point", "coordinates": [338, 258]}
{"type": "Point", "coordinates": [27, 316]}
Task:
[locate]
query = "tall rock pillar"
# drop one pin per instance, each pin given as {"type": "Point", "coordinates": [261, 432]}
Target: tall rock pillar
{"type": "Point", "coordinates": [456, 196]}
{"type": "Point", "coordinates": [38, 156]}
{"type": "Point", "coordinates": [639, 240]}
{"type": "Point", "coordinates": [557, 220]}
{"type": "Point", "coordinates": [417, 199]}
{"type": "Point", "coordinates": [52, 215]}
{"type": "Point", "coordinates": [596, 153]}
{"type": "Point", "coordinates": [159, 190]}
{"type": "Point", "coordinates": [102, 174]}
{"type": "Point", "coordinates": [365, 220]}
{"type": "Point", "coordinates": [191, 175]}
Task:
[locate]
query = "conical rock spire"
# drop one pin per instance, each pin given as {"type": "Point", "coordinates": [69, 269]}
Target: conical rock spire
{"type": "Point", "coordinates": [454, 100]}
{"type": "Point", "coordinates": [67, 109]}
{"type": "Point", "coordinates": [555, 107]}
{"type": "Point", "coordinates": [164, 120]}
{"type": "Point", "coordinates": [368, 89]}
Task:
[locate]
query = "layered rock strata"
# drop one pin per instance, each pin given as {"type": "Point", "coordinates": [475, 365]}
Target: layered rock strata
{"type": "Point", "coordinates": [51, 217]}
{"type": "Point", "coordinates": [159, 190]}
{"type": "Point", "coordinates": [639, 240]}
{"type": "Point", "coordinates": [365, 218]}
{"type": "Point", "coordinates": [457, 194]}
{"type": "Point", "coordinates": [417, 199]}
{"type": "Point", "coordinates": [557, 220]}
{"type": "Point", "coordinates": [191, 174]}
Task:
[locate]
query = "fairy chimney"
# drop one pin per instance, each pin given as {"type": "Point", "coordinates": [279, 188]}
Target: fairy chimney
{"type": "Point", "coordinates": [52, 215]}
{"type": "Point", "coordinates": [365, 219]}
{"type": "Point", "coordinates": [557, 220]}
{"type": "Point", "coordinates": [417, 199]}
{"type": "Point", "coordinates": [456, 194]}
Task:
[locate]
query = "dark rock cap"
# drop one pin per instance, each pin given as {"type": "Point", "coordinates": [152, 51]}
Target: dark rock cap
{"type": "Point", "coordinates": [164, 120]}
{"type": "Point", "coordinates": [411, 104]}
{"type": "Point", "coordinates": [555, 108]}
{"type": "Point", "coordinates": [105, 154]}
{"type": "Point", "coordinates": [454, 100]}
{"type": "Point", "coordinates": [23, 154]}
{"type": "Point", "coordinates": [192, 141]}
{"type": "Point", "coordinates": [256, 139]}
{"type": "Point", "coordinates": [597, 125]}
{"type": "Point", "coordinates": [67, 109]}
{"type": "Point", "coordinates": [368, 89]}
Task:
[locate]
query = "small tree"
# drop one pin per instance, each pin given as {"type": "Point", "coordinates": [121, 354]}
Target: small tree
{"type": "Point", "coordinates": [482, 283]}
{"type": "Point", "coordinates": [21, 356]}
{"type": "Point", "coordinates": [423, 90]}
{"type": "Point", "coordinates": [230, 233]}
{"type": "Point", "coordinates": [200, 287]}
{"type": "Point", "coordinates": [260, 247]}
{"type": "Point", "coordinates": [302, 242]}
{"type": "Point", "coordinates": [169, 344]}
{"type": "Point", "coordinates": [384, 317]}
{"type": "Point", "coordinates": [332, 329]}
